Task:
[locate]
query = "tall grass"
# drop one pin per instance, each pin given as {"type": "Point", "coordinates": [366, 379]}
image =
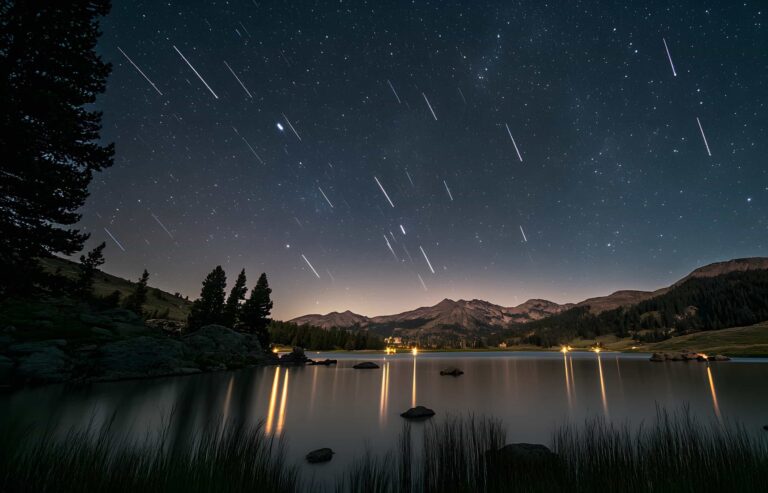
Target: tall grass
{"type": "Point", "coordinates": [673, 453]}
{"type": "Point", "coordinates": [225, 459]}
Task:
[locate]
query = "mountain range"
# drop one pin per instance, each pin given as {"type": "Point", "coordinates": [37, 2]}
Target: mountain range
{"type": "Point", "coordinates": [468, 316]}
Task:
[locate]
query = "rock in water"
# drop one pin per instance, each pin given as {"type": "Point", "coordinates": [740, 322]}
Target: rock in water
{"type": "Point", "coordinates": [366, 365]}
{"type": "Point", "coordinates": [320, 455]}
{"type": "Point", "coordinates": [658, 357]}
{"type": "Point", "coordinates": [452, 371]}
{"type": "Point", "coordinates": [325, 362]}
{"type": "Point", "coordinates": [418, 412]}
{"type": "Point", "coordinates": [719, 357]}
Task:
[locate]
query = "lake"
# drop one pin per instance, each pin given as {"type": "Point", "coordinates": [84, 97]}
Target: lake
{"type": "Point", "coordinates": [348, 410]}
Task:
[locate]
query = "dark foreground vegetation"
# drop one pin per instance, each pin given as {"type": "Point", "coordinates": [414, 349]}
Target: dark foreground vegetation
{"type": "Point", "coordinates": [456, 454]}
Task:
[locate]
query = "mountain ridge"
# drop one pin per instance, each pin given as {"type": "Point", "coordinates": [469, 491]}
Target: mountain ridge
{"type": "Point", "coordinates": [473, 315]}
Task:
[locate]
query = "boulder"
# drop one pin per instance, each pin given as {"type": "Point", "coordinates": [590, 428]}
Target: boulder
{"type": "Point", "coordinates": [142, 357]}
{"type": "Point", "coordinates": [659, 357]}
{"type": "Point", "coordinates": [34, 347]}
{"type": "Point", "coordinates": [320, 455]}
{"type": "Point", "coordinates": [216, 345]}
{"type": "Point", "coordinates": [689, 355]}
{"type": "Point", "coordinates": [719, 357]}
{"type": "Point", "coordinates": [325, 362]}
{"type": "Point", "coordinates": [366, 365]}
{"type": "Point", "coordinates": [49, 364]}
{"type": "Point", "coordinates": [175, 327]}
{"type": "Point", "coordinates": [452, 371]}
{"type": "Point", "coordinates": [418, 412]}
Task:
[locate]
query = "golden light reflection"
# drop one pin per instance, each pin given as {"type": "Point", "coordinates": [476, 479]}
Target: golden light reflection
{"type": "Point", "coordinates": [415, 351]}
{"type": "Point", "coordinates": [573, 377]}
{"type": "Point", "coordinates": [567, 377]}
{"type": "Point", "coordinates": [714, 394]}
{"type": "Point", "coordinates": [283, 401]}
{"type": "Point", "coordinates": [272, 401]}
{"type": "Point", "coordinates": [413, 388]}
{"type": "Point", "coordinates": [602, 383]}
{"type": "Point", "coordinates": [383, 401]}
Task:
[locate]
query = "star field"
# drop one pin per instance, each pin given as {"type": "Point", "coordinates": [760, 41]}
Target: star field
{"type": "Point", "coordinates": [381, 157]}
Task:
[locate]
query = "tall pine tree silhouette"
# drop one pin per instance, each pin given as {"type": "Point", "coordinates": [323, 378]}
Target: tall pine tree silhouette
{"type": "Point", "coordinates": [236, 296]}
{"type": "Point", "coordinates": [256, 310]}
{"type": "Point", "coordinates": [135, 302]}
{"type": "Point", "coordinates": [49, 72]}
{"type": "Point", "coordinates": [209, 308]}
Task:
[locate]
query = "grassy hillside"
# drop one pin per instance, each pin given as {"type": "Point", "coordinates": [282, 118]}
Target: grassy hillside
{"type": "Point", "coordinates": [157, 301]}
{"type": "Point", "coordinates": [738, 341]}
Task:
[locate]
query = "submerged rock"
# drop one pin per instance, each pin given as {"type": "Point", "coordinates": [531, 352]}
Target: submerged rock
{"type": "Point", "coordinates": [366, 365]}
{"type": "Point", "coordinates": [325, 362]}
{"type": "Point", "coordinates": [320, 455]}
{"type": "Point", "coordinates": [452, 371]}
{"type": "Point", "coordinates": [418, 412]}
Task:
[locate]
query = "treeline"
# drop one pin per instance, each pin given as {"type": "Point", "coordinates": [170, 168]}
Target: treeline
{"type": "Point", "coordinates": [318, 339]}
{"type": "Point", "coordinates": [704, 303]}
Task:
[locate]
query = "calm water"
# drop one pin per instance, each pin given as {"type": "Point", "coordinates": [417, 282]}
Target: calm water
{"type": "Point", "coordinates": [345, 409]}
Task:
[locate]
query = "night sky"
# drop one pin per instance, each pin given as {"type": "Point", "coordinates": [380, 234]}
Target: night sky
{"type": "Point", "coordinates": [530, 149]}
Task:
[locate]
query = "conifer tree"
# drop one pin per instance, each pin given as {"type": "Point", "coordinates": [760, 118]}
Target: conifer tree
{"type": "Point", "coordinates": [255, 312]}
{"type": "Point", "coordinates": [135, 301]}
{"type": "Point", "coordinates": [88, 265]}
{"type": "Point", "coordinates": [49, 74]}
{"type": "Point", "coordinates": [236, 296]}
{"type": "Point", "coordinates": [209, 308]}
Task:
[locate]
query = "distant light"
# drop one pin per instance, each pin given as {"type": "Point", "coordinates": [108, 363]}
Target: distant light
{"type": "Point", "coordinates": [280, 126]}
{"type": "Point", "coordinates": [415, 351]}
{"type": "Point", "coordinates": [287, 245]}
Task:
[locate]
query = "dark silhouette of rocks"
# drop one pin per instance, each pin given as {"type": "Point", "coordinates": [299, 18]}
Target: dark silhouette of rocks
{"type": "Point", "coordinates": [320, 455]}
{"type": "Point", "coordinates": [451, 371]}
{"type": "Point", "coordinates": [366, 365]}
{"type": "Point", "coordinates": [418, 412]}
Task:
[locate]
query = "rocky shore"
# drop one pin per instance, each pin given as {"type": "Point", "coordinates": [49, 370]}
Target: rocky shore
{"type": "Point", "coordinates": [122, 346]}
{"type": "Point", "coordinates": [685, 355]}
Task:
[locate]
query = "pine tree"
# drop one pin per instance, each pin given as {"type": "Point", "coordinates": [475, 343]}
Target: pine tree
{"type": "Point", "coordinates": [236, 296]}
{"type": "Point", "coordinates": [135, 301]}
{"type": "Point", "coordinates": [209, 308]}
{"type": "Point", "coordinates": [49, 74]}
{"type": "Point", "coordinates": [88, 265]}
{"type": "Point", "coordinates": [255, 312]}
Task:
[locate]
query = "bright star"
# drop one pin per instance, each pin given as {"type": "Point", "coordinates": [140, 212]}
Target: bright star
{"type": "Point", "coordinates": [280, 126]}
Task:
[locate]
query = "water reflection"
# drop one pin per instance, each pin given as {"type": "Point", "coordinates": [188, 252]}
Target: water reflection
{"type": "Point", "coordinates": [413, 387]}
{"type": "Point", "coordinates": [281, 416]}
{"type": "Point", "coordinates": [384, 393]}
{"type": "Point", "coordinates": [227, 399]}
{"type": "Point", "coordinates": [567, 381]}
{"type": "Point", "coordinates": [714, 394]}
{"type": "Point", "coordinates": [602, 384]}
{"type": "Point", "coordinates": [272, 401]}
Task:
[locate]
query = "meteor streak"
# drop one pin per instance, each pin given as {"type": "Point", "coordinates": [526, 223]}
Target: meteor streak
{"type": "Point", "coordinates": [704, 137]}
{"type": "Point", "coordinates": [140, 71]}
{"type": "Point", "coordinates": [326, 197]}
{"type": "Point", "coordinates": [524, 238]}
{"type": "Point", "coordinates": [448, 190]}
{"type": "Point", "coordinates": [310, 265]}
{"type": "Point", "coordinates": [394, 92]}
{"type": "Point", "coordinates": [161, 225]}
{"type": "Point", "coordinates": [430, 106]}
{"type": "Point", "coordinates": [390, 248]}
{"type": "Point", "coordinates": [514, 143]}
{"type": "Point", "coordinates": [196, 72]}
{"type": "Point", "coordinates": [427, 259]}
{"type": "Point", "coordinates": [384, 192]}
{"type": "Point", "coordinates": [290, 125]}
{"type": "Point", "coordinates": [114, 239]}
{"type": "Point", "coordinates": [674, 73]}
{"type": "Point", "coordinates": [238, 80]}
